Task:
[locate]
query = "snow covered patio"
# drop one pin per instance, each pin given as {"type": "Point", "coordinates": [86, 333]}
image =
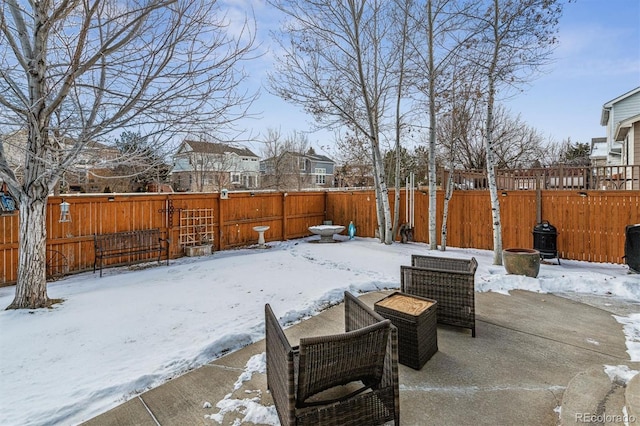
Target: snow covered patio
{"type": "Point", "coordinates": [515, 372]}
{"type": "Point", "coordinates": [131, 331]}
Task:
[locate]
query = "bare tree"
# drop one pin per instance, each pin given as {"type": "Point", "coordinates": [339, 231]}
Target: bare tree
{"type": "Point", "coordinates": [515, 39]}
{"type": "Point", "coordinates": [356, 169]}
{"type": "Point", "coordinates": [285, 167]}
{"type": "Point", "coordinates": [516, 144]}
{"type": "Point", "coordinates": [211, 170]}
{"type": "Point", "coordinates": [81, 70]}
{"type": "Point", "coordinates": [402, 14]}
{"type": "Point", "coordinates": [457, 126]}
{"type": "Point", "coordinates": [339, 64]}
{"type": "Point", "coordinates": [434, 47]}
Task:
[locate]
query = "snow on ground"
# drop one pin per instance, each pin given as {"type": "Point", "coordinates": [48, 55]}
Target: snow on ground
{"type": "Point", "coordinates": [117, 336]}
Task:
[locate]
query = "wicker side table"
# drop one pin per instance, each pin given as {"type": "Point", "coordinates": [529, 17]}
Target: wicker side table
{"type": "Point", "coordinates": [415, 319]}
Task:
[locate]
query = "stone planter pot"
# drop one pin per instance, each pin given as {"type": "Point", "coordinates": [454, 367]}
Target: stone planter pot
{"type": "Point", "coordinates": [193, 251]}
{"type": "Point", "coordinates": [521, 261]}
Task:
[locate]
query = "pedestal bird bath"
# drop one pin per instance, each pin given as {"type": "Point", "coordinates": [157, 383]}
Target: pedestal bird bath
{"type": "Point", "coordinates": [261, 230]}
{"type": "Point", "coordinates": [326, 232]}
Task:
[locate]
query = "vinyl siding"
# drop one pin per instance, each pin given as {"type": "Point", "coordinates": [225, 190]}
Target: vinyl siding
{"type": "Point", "coordinates": [635, 156]}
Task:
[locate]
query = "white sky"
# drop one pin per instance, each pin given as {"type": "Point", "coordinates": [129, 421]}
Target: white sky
{"type": "Point", "coordinates": [117, 336]}
{"type": "Point", "coordinates": [598, 59]}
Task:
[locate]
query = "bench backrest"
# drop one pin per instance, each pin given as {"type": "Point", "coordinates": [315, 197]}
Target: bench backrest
{"type": "Point", "coordinates": [129, 240]}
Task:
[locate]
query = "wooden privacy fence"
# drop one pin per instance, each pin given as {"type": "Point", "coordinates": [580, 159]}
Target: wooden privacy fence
{"type": "Point", "coordinates": [590, 224]}
{"type": "Point", "coordinates": [70, 244]}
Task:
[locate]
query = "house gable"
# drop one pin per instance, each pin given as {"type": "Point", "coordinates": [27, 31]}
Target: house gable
{"type": "Point", "coordinates": [213, 165]}
{"type": "Point", "coordinates": [293, 169]}
{"type": "Point", "coordinates": [619, 115]}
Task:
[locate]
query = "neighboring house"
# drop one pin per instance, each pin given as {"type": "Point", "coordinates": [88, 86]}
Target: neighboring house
{"type": "Point", "coordinates": [599, 151]}
{"type": "Point", "coordinates": [13, 146]}
{"type": "Point", "coordinates": [83, 176]}
{"type": "Point", "coordinates": [210, 167]}
{"type": "Point", "coordinates": [622, 118]}
{"type": "Point", "coordinates": [295, 171]}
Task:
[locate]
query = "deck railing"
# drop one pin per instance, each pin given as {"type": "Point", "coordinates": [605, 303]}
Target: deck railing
{"type": "Point", "coordinates": [552, 178]}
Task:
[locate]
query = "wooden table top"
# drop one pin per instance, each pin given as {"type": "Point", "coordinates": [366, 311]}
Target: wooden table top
{"type": "Point", "coordinates": [405, 303]}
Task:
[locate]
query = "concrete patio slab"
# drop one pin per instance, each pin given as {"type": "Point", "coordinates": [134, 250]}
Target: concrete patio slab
{"type": "Point", "coordinates": [528, 348]}
{"type": "Point", "coordinates": [132, 412]}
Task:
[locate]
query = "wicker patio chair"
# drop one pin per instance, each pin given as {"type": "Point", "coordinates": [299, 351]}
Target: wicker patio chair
{"type": "Point", "coordinates": [449, 281]}
{"type": "Point", "coordinates": [344, 379]}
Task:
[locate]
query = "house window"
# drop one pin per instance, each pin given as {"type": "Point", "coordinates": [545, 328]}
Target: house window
{"type": "Point", "coordinates": [320, 176]}
{"type": "Point", "coordinates": [235, 177]}
{"type": "Point", "coordinates": [302, 163]}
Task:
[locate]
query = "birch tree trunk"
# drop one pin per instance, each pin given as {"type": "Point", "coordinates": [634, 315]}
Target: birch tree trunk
{"type": "Point", "coordinates": [433, 243]}
{"type": "Point", "coordinates": [441, 35]}
{"type": "Point", "coordinates": [385, 226]}
{"type": "Point", "coordinates": [396, 209]}
{"type": "Point", "coordinates": [445, 209]}
{"type": "Point", "coordinates": [493, 191]}
{"type": "Point", "coordinates": [398, 124]}
{"type": "Point", "coordinates": [371, 100]}
{"type": "Point", "coordinates": [340, 64]}
{"type": "Point", "coordinates": [489, 145]}
{"type": "Point", "coordinates": [517, 36]}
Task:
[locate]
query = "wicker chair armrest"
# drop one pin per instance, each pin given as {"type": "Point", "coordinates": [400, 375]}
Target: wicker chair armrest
{"type": "Point", "coordinates": [280, 368]}
{"type": "Point", "coordinates": [357, 315]}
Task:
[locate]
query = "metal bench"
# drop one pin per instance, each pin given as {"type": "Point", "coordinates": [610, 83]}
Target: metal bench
{"type": "Point", "coordinates": [129, 244]}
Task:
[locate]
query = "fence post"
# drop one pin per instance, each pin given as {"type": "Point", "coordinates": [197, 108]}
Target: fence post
{"type": "Point", "coordinates": [221, 224]}
{"type": "Point", "coordinates": [538, 199]}
{"type": "Point", "coordinates": [284, 216]}
{"type": "Point", "coordinates": [326, 196]}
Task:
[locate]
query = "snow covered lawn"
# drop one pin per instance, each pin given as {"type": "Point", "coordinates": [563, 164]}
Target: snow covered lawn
{"type": "Point", "coordinates": [131, 330]}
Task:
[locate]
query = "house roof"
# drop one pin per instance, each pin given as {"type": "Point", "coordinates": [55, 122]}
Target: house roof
{"type": "Point", "coordinates": [314, 157]}
{"type": "Point", "coordinates": [15, 143]}
{"type": "Point", "coordinates": [317, 157]}
{"type": "Point", "coordinates": [624, 126]}
{"type": "Point", "coordinates": [218, 148]}
{"type": "Point", "coordinates": [606, 108]}
{"type": "Point", "coordinates": [598, 149]}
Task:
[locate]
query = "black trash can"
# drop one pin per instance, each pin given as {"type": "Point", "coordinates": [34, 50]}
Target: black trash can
{"type": "Point", "coordinates": [632, 247]}
{"type": "Point", "coordinates": [545, 238]}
